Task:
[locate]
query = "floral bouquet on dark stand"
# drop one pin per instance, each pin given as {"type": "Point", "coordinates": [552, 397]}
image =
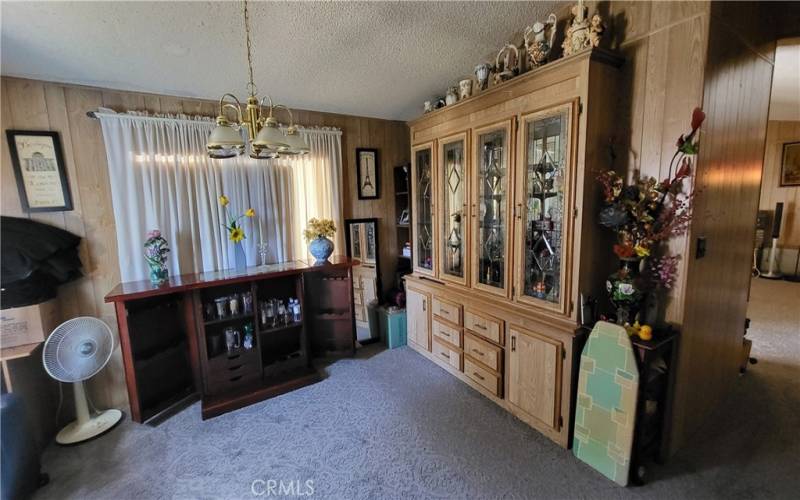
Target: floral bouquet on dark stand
{"type": "Point", "coordinates": [644, 214]}
{"type": "Point", "coordinates": [155, 253]}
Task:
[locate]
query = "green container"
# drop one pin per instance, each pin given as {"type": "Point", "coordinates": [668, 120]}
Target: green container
{"type": "Point", "coordinates": [393, 327]}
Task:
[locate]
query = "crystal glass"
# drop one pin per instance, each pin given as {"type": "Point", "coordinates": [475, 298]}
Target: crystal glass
{"type": "Point", "coordinates": [263, 251]}
{"type": "Point", "coordinates": [453, 213]}
{"type": "Point", "coordinates": [423, 216]}
{"type": "Point", "coordinates": [546, 154]}
{"type": "Point", "coordinates": [492, 197]}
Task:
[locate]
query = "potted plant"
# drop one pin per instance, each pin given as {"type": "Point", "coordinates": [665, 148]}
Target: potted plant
{"type": "Point", "coordinates": [643, 214]}
{"type": "Point", "coordinates": [317, 234]}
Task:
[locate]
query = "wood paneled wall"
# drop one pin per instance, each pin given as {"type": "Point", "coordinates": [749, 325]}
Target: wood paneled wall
{"type": "Point", "coordinates": [778, 133]}
{"type": "Point", "coordinates": [36, 105]}
{"type": "Point", "coordinates": [738, 77]}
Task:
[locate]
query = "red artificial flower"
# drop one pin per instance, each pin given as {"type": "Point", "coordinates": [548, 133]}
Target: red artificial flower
{"type": "Point", "coordinates": [697, 118]}
{"type": "Point", "coordinates": [624, 251]}
{"type": "Point", "coordinates": [685, 170]}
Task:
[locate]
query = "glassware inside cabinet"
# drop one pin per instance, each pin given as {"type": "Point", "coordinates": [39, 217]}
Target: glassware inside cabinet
{"type": "Point", "coordinates": [453, 209]}
{"type": "Point", "coordinates": [423, 211]}
{"type": "Point", "coordinates": [492, 192]}
{"type": "Point", "coordinates": [546, 155]}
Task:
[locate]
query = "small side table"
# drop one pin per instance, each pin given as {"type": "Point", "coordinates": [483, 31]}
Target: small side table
{"type": "Point", "coordinates": [656, 360]}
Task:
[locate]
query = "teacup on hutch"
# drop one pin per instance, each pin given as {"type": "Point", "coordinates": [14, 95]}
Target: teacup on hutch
{"type": "Point", "coordinates": [482, 74]}
{"type": "Point", "coordinates": [452, 96]}
{"type": "Point", "coordinates": [538, 46]}
{"type": "Point", "coordinates": [465, 88]}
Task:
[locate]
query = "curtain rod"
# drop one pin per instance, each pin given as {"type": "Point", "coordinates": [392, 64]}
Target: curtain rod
{"type": "Point", "coordinates": [203, 120]}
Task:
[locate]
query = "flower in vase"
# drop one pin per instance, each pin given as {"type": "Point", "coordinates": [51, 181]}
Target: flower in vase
{"type": "Point", "coordinates": [641, 251]}
{"type": "Point", "coordinates": [250, 212]}
{"type": "Point", "coordinates": [155, 233]}
{"type": "Point", "coordinates": [223, 200]}
{"type": "Point", "coordinates": [236, 234]}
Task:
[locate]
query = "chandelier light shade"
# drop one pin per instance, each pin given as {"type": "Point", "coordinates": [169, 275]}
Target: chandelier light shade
{"type": "Point", "coordinates": [267, 141]}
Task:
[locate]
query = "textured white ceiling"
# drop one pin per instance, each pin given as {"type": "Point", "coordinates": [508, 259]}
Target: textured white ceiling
{"type": "Point", "coordinates": [379, 59]}
{"type": "Point", "coordinates": [785, 101]}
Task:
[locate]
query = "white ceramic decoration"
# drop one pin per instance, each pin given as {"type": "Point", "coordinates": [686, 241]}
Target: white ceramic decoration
{"type": "Point", "coordinates": [506, 63]}
{"type": "Point", "coordinates": [427, 106]}
{"type": "Point", "coordinates": [537, 43]}
{"type": "Point", "coordinates": [452, 96]}
{"type": "Point", "coordinates": [482, 74]}
{"type": "Point", "coordinates": [582, 34]}
{"type": "Point", "coordinates": [465, 88]}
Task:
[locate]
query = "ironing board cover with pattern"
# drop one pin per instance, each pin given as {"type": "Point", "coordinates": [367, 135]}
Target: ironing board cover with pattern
{"type": "Point", "coordinates": [605, 413]}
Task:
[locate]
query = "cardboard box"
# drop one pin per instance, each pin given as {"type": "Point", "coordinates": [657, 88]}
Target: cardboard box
{"type": "Point", "coordinates": [28, 325]}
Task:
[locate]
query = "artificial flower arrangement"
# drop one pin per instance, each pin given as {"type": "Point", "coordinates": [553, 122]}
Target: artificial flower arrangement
{"type": "Point", "coordinates": [319, 228]}
{"type": "Point", "coordinates": [155, 253]}
{"type": "Point", "coordinates": [235, 230]}
{"type": "Point", "coordinates": [646, 213]}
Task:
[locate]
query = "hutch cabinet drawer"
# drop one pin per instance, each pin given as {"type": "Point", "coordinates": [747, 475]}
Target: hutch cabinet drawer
{"type": "Point", "coordinates": [480, 350]}
{"type": "Point", "coordinates": [484, 326]}
{"type": "Point", "coordinates": [223, 362]}
{"type": "Point", "coordinates": [447, 310]}
{"type": "Point", "coordinates": [447, 333]}
{"type": "Point", "coordinates": [232, 382]}
{"type": "Point", "coordinates": [446, 354]}
{"type": "Point", "coordinates": [482, 376]}
{"type": "Point", "coordinates": [242, 368]}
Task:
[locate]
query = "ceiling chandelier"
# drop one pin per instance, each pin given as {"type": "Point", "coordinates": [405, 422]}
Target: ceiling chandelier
{"type": "Point", "coordinates": [266, 138]}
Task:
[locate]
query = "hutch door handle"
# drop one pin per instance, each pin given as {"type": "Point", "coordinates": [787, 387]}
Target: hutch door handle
{"type": "Point", "coordinates": [423, 304]}
{"type": "Point", "coordinates": [478, 375]}
{"type": "Point", "coordinates": [479, 353]}
{"type": "Point", "coordinates": [513, 343]}
{"type": "Point", "coordinates": [479, 326]}
{"type": "Point", "coordinates": [519, 211]}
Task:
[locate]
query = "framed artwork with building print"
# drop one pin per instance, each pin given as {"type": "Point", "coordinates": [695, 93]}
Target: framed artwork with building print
{"type": "Point", "coordinates": [367, 174]}
{"type": "Point", "coordinates": [39, 170]}
{"type": "Point", "coordinates": [790, 164]}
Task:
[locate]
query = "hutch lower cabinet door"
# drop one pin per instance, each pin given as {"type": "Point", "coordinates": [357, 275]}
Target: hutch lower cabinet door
{"type": "Point", "coordinates": [534, 381]}
{"type": "Point", "coordinates": [418, 314]}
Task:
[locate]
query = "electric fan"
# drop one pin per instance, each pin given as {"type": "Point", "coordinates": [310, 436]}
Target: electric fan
{"type": "Point", "coordinates": [75, 351]}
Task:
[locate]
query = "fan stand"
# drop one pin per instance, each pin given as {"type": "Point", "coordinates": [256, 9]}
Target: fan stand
{"type": "Point", "coordinates": [86, 426]}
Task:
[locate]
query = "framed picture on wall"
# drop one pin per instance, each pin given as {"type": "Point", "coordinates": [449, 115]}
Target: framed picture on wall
{"type": "Point", "coordinates": [790, 164]}
{"type": "Point", "coordinates": [39, 170]}
{"type": "Point", "coordinates": [367, 174]}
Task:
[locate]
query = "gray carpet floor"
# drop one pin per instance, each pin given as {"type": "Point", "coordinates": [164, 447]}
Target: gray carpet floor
{"type": "Point", "coordinates": [390, 424]}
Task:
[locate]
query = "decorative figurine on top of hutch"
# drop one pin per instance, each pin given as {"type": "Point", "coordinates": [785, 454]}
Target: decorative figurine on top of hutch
{"type": "Point", "coordinates": [582, 34]}
{"type": "Point", "coordinates": [539, 46]}
{"type": "Point", "coordinates": [509, 56]}
{"type": "Point", "coordinates": [482, 72]}
{"type": "Point", "coordinates": [452, 96]}
{"type": "Point", "coordinates": [155, 253]}
{"type": "Point", "coordinates": [465, 88]}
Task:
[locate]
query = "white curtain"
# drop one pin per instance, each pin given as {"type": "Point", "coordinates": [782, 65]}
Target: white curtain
{"type": "Point", "coordinates": [161, 178]}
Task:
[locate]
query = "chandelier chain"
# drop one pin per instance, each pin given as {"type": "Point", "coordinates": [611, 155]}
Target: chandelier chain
{"type": "Point", "coordinates": [252, 85]}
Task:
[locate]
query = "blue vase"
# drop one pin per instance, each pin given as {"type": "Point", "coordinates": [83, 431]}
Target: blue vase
{"type": "Point", "coordinates": [321, 248]}
{"type": "Point", "coordinates": [159, 274]}
{"type": "Point", "coordinates": [239, 257]}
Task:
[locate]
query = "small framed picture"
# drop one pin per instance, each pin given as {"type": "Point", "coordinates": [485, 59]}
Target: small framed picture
{"type": "Point", "coordinates": [367, 174]}
{"type": "Point", "coordinates": [790, 164]}
{"type": "Point", "coordinates": [39, 170]}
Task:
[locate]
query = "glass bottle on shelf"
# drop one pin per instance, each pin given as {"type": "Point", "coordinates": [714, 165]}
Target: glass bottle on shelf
{"type": "Point", "coordinates": [491, 200]}
{"type": "Point", "coordinates": [423, 209]}
{"type": "Point", "coordinates": [546, 156]}
{"type": "Point", "coordinates": [453, 215]}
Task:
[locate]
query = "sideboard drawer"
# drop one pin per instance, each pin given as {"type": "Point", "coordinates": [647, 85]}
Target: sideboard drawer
{"type": "Point", "coordinates": [223, 362]}
{"type": "Point", "coordinates": [231, 382]}
{"type": "Point", "coordinates": [487, 327]}
{"type": "Point", "coordinates": [482, 376]}
{"type": "Point", "coordinates": [446, 354]}
{"type": "Point", "coordinates": [447, 310]}
{"type": "Point", "coordinates": [447, 333]}
{"type": "Point", "coordinates": [482, 351]}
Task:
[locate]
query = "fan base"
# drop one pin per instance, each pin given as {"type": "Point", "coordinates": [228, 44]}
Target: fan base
{"type": "Point", "coordinates": [77, 432]}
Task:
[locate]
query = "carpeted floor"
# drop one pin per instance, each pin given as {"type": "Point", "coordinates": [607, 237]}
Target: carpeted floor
{"type": "Point", "coordinates": [390, 424]}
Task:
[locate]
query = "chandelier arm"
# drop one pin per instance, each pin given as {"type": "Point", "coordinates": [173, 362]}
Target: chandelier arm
{"type": "Point", "coordinates": [291, 116]}
{"type": "Point", "coordinates": [223, 105]}
{"type": "Point", "coordinates": [261, 104]}
{"type": "Point", "coordinates": [234, 107]}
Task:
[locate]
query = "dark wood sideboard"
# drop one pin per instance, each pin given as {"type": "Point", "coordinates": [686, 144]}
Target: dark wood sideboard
{"type": "Point", "coordinates": [171, 345]}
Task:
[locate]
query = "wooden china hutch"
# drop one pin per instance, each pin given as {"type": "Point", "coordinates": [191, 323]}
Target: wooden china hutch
{"type": "Point", "coordinates": [505, 238]}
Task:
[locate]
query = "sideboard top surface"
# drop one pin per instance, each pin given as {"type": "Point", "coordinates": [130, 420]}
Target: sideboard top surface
{"type": "Point", "coordinates": [142, 289]}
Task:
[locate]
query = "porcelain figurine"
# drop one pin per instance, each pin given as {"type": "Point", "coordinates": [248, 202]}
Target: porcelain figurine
{"type": "Point", "coordinates": [482, 74]}
{"type": "Point", "coordinates": [582, 34]}
{"type": "Point", "coordinates": [465, 88]}
{"type": "Point", "coordinates": [537, 43]}
{"type": "Point", "coordinates": [427, 106]}
{"type": "Point", "coordinates": [452, 96]}
{"type": "Point", "coordinates": [439, 103]}
{"type": "Point", "coordinates": [506, 63]}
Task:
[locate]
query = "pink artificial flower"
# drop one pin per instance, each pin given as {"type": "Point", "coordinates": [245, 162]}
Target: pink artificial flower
{"type": "Point", "coordinates": [155, 233]}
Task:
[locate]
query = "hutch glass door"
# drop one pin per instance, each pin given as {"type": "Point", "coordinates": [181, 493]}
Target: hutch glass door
{"type": "Point", "coordinates": [453, 213]}
{"type": "Point", "coordinates": [422, 179]}
{"type": "Point", "coordinates": [369, 242]}
{"type": "Point", "coordinates": [490, 209]}
{"type": "Point", "coordinates": [542, 209]}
